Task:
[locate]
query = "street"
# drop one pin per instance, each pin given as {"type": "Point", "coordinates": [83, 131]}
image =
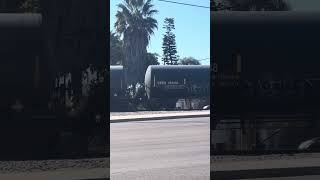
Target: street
{"type": "Point", "coordinates": [161, 149]}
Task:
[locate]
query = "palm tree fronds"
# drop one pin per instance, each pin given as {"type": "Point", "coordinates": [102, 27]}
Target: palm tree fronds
{"type": "Point", "coordinates": [136, 25]}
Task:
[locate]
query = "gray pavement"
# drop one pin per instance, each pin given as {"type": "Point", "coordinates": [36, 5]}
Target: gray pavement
{"type": "Point", "coordinates": [162, 149]}
{"type": "Point", "coordinates": [314, 177]}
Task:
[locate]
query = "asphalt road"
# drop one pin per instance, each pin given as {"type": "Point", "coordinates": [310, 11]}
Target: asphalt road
{"type": "Point", "coordinates": [163, 149]}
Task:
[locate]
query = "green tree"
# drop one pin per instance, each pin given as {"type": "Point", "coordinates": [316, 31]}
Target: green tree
{"type": "Point", "coordinates": [135, 23]}
{"type": "Point", "coordinates": [169, 43]}
{"type": "Point", "coordinates": [218, 6]}
{"type": "Point", "coordinates": [32, 6]}
{"type": "Point", "coordinates": [116, 49]}
{"type": "Point", "coordinates": [152, 59]}
{"type": "Point", "coordinates": [257, 5]}
{"type": "Point", "coordinates": [189, 61]}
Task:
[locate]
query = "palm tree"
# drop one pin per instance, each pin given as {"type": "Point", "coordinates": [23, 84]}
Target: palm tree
{"type": "Point", "coordinates": [135, 24]}
{"type": "Point", "coordinates": [116, 52]}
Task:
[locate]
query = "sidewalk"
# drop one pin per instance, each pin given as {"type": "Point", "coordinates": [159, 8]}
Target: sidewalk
{"type": "Point", "coordinates": [244, 167]}
{"type": "Point", "coordinates": [140, 116]}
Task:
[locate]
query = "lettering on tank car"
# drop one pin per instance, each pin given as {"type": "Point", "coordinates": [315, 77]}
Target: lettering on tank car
{"type": "Point", "coordinates": [195, 89]}
{"type": "Point", "coordinates": [168, 83]}
{"type": "Point", "coordinates": [228, 84]}
{"type": "Point", "coordinates": [227, 80]}
{"type": "Point", "coordinates": [174, 87]}
{"type": "Point", "coordinates": [173, 82]}
{"type": "Point", "coordinates": [278, 87]}
{"type": "Point", "coordinates": [270, 87]}
{"type": "Point", "coordinates": [161, 82]}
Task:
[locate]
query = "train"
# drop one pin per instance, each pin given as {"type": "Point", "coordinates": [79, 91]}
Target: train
{"type": "Point", "coordinates": [36, 122]}
{"type": "Point", "coordinates": [23, 113]}
{"type": "Point", "coordinates": [265, 72]}
{"type": "Point", "coordinates": [117, 86]}
{"type": "Point", "coordinates": [163, 86]}
{"type": "Point", "coordinates": [268, 64]}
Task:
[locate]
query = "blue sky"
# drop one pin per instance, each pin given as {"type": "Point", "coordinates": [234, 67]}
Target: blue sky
{"type": "Point", "coordinates": [192, 27]}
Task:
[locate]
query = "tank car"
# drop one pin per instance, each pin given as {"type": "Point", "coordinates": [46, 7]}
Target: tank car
{"type": "Point", "coordinates": [266, 67]}
{"type": "Point", "coordinates": [119, 98]}
{"type": "Point", "coordinates": [163, 86]}
{"type": "Point", "coordinates": [117, 84]}
{"type": "Point", "coordinates": [23, 93]}
{"type": "Point", "coordinates": [35, 124]}
{"type": "Point", "coordinates": [177, 81]}
{"type": "Point", "coordinates": [266, 61]}
{"type": "Point", "coordinates": [170, 83]}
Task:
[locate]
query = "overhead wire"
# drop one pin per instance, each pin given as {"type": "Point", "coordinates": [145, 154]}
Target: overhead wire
{"type": "Point", "coordinates": [185, 4]}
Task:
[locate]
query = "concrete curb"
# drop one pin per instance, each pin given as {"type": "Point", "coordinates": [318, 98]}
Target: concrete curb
{"type": "Point", "coordinates": [164, 117]}
{"type": "Point", "coordinates": [265, 173]}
